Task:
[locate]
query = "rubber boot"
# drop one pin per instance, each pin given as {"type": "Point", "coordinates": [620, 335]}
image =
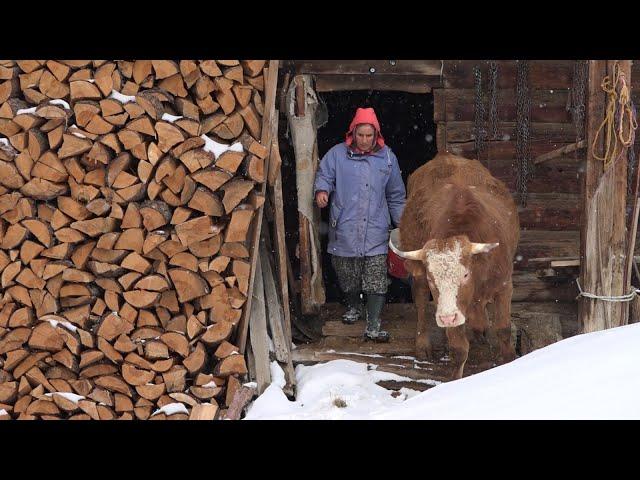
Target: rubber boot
{"type": "Point", "coordinates": [354, 308]}
{"type": "Point", "coordinates": [375, 303]}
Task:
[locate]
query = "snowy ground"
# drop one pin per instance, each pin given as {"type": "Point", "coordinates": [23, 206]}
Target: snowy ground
{"type": "Point", "coordinates": [591, 376]}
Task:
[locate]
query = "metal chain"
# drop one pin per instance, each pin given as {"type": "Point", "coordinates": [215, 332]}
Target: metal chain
{"type": "Point", "coordinates": [493, 100]}
{"type": "Point", "coordinates": [578, 96]}
{"type": "Point", "coordinates": [479, 130]}
{"type": "Point", "coordinates": [523, 119]}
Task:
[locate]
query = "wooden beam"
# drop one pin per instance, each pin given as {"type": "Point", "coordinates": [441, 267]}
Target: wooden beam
{"type": "Point", "coordinates": [367, 81]}
{"type": "Point", "coordinates": [271, 79]}
{"type": "Point", "coordinates": [379, 67]}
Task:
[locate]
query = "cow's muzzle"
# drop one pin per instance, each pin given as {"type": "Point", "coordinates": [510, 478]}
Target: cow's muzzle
{"type": "Point", "coordinates": [449, 321]}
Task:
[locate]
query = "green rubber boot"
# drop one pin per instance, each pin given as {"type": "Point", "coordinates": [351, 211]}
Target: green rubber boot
{"type": "Point", "coordinates": [375, 303]}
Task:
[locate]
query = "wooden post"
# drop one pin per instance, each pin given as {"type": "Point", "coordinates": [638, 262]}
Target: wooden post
{"type": "Point", "coordinates": [620, 213]}
{"type": "Point", "coordinates": [271, 79]}
{"type": "Point", "coordinates": [593, 170]}
{"type": "Point", "coordinates": [602, 266]}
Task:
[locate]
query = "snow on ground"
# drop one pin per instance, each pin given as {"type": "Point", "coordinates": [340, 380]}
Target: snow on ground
{"type": "Point", "coordinates": [322, 389]}
{"type": "Point", "coordinates": [590, 376]}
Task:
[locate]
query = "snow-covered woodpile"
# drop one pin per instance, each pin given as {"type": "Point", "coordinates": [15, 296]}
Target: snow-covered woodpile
{"type": "Point", "coordinates": [127, 192]}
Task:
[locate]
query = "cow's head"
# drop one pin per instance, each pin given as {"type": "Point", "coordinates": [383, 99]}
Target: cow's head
{"type": "Point", "coordinates": [447, 266]}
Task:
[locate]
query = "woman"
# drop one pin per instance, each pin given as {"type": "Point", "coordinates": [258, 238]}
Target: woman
{"type": "Point", "coordinates": [361, 180]}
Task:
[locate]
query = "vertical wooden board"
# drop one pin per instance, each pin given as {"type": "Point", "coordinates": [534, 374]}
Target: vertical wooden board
{"type": "Point", "coordinates": [258, 333]}
{"type": "Point", "coordinates": [273, 309]}
{"type": "Point", "coordinates": [280, 240]}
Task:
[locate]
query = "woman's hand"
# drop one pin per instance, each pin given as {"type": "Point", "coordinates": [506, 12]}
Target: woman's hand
{"type": "Point", "coordinates": [322, 198]}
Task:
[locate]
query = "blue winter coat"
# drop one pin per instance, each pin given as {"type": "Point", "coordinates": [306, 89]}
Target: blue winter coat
{"type": "Point", "coordinates": [367, 193]}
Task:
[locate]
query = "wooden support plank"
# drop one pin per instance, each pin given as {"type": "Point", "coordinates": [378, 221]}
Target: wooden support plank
{"type": "Point", "coordinates": [269, 117]}
{"type": "Point", "coordinates": [258, 332]}
{"type": "Point", "coordinates": [559, 152]}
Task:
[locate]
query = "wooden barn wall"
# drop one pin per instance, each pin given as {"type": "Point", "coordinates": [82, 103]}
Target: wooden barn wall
{"type": "Point", "coordinates": [550, 223]}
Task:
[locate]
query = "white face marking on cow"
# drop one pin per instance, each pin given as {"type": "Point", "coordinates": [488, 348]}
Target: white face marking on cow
{"type": "Point", "coordinates": [447, 272]}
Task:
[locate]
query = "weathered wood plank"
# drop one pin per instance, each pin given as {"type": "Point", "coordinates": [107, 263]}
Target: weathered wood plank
{"type": "Point", "coordinates": [550, 211]}
{"type": "Point", "coordinates": [550, 132]}
{"type": "Point", "coordinates": [545, 244]}
{"type": "Point", "coordinates": [547, 105]}
{"type": "Point", "coordinates": [280, 234]}
{"type": "Point", "coordinates": [542, 73]}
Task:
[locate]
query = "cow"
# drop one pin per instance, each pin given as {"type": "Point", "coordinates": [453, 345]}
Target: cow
{"type": "Point", "coordinates": [458, 235]}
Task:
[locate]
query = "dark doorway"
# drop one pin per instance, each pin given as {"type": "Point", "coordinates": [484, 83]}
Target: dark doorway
{"type": "Point", "coordinates": [406, 121]}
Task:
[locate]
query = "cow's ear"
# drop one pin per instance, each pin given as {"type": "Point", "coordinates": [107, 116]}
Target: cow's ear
{"type": "Point", "coordinates": [415, 268]}
{"type": "Point", "coordinates": [482, 247]}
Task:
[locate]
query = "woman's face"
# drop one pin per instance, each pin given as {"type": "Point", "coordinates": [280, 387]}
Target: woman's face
{"type": "Point", "coordinates": [365, 136]}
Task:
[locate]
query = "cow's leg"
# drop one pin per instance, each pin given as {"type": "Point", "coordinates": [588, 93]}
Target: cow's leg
{"type": "Point", "coordinates": [502, 324]}
{"type": "Point", "coordinates": [458, 349]}
{"type": "Point", "coordinates": [420, 291]}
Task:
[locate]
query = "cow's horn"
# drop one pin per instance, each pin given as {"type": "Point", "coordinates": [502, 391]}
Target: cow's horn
{"type": "Point", "coordinates": [482, 247]}
{"type": "Point", "coordinates": [412, 255]}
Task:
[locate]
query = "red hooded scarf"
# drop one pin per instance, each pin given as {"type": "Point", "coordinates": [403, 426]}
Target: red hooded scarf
{"type": "Point", "coordinates": [365, 115]}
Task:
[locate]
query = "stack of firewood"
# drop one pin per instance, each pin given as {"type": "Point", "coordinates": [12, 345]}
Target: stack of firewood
{"type": "Point", "coordinates": [127, 193]}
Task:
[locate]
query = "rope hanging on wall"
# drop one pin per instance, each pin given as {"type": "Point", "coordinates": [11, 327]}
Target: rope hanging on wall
{"type": "Point", "coordinates": [479, 130]}
{"type": "Point", "coordinates": [524, 165]}
{"type": "Point", "coordinates": [493, 100]}
{"type": "Point", "coordinates": [619, 122]}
